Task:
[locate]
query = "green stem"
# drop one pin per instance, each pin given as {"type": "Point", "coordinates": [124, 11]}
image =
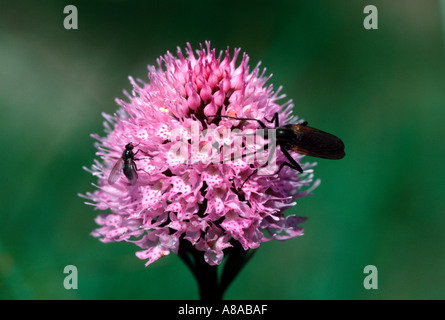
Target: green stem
{"type": "Point", "coordinates": [210, 287]}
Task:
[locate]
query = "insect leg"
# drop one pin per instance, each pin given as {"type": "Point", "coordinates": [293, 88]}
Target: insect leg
{"type": "Point", "coordinates": [142, 170]}
{"type": "Point", "coordinates": [146, 153]}
{"type": "Point", "coordinates": [135, 166]}
{"type": "Point", "coordinates": [271, 153]}
{"type": "Point", "coordinates": [293, 164]}
{"type": "Point", "coordinates": [274, 120]}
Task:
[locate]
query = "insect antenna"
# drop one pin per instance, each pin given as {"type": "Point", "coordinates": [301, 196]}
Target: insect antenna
{"type": "Point", "coordinates": [236, 118]}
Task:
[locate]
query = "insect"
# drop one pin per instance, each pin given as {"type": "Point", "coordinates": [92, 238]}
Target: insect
{"type": "Point", "coordinates": [126, 164]}
{"type": "Point", "coordinates": [301, 139]}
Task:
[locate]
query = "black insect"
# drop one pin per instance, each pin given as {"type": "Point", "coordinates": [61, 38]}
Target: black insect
{"type": "Point", "coordinates": [301, 139]}
{"type": "Point", "coordinates": [126, 165]}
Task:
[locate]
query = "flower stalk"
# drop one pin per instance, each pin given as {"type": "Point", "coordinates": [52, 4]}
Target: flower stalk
{"type": "Point", "coordinates": [212, 286]}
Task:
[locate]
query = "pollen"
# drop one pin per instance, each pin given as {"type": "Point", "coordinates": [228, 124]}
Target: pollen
{"type": "Point", "coordinates": [232, 113]}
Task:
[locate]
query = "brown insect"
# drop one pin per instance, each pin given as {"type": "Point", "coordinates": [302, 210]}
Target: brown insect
{"type": "Point", "coordinates": [301, 139]}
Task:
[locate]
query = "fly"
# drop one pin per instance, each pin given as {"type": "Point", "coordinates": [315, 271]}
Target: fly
{"type": "Point", "coordinates": [126, 165]}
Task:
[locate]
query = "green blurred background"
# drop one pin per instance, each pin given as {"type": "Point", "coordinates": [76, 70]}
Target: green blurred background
{"type": "Point", "coordinates": [382, 91]}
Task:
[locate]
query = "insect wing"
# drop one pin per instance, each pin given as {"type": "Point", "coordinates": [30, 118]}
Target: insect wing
{"type": "Point", "coordinates": [317, 143]}
{"type": "Point", "coordinates": [115, 172]}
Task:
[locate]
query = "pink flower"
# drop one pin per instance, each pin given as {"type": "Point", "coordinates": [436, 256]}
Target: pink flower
{"type": "Point", "coordinates": [182, 193]}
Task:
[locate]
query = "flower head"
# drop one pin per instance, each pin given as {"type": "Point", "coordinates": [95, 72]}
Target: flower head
{"type": "Point", "coordinates": [181, 193]}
